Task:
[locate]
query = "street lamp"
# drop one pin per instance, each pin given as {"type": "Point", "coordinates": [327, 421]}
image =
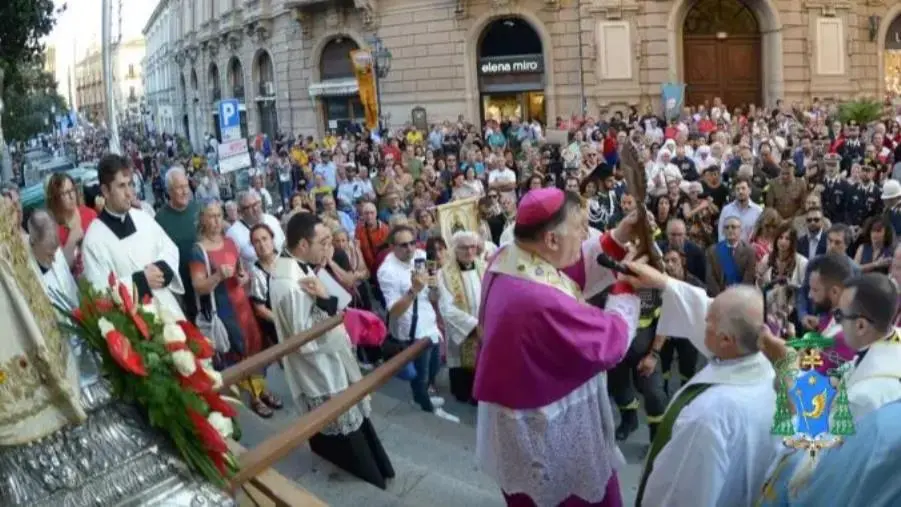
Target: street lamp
{"type": "Point", "coordinates": [381, 62]}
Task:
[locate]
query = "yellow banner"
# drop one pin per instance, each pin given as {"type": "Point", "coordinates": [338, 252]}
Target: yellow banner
{"type": "Point", "coordinates": [365, 72]}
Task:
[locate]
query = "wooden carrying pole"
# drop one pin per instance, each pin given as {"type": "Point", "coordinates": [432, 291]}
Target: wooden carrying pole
{"type": "Point", "coordinates": [264, 358]}
{"type": "Point", "coordinates": [257, 460]}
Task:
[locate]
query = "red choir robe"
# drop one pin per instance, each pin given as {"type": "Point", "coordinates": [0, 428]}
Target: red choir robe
{"type": "Point", "coordinates": [545, 426]}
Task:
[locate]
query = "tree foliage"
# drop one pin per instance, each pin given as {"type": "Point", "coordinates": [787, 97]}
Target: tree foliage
{"type": "Point", "coordinates": [27, 91]}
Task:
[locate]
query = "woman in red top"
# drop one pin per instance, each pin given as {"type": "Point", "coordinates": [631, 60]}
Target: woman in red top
{"type": "Point", "coordinates": [72, 217]}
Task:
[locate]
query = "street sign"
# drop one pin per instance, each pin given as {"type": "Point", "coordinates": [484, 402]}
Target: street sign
{"type": "Point", "coordinates": [229, 119]}
{"type": "Point", "coordinates": [233, 155]}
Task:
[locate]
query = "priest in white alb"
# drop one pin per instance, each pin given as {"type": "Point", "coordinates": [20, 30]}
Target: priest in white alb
{"type": "Point", "coordinates": [460, 285]}
{"type": "Point", "coordinates": [714, 445]}
{"type": "Point", "coordinates": [323, 368]}
{"type": "Point", "coordinates": [50, 262]}
{"type": "Point", "coordinates": [129, 243]}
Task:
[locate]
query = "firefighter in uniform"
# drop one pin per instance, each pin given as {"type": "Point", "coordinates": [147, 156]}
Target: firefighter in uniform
{"type": "Point", "coordinates": [641, 371]}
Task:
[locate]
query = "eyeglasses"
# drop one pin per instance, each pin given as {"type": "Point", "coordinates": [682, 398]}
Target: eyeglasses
{"type": "Point", "coordinates": [252, 205]}
{"type": "Point", "coordinates": [840, 316]}
{"type": "Point", "coordinates": [732, 226]}
{"type": "Point", "coordinates": [813, 220]}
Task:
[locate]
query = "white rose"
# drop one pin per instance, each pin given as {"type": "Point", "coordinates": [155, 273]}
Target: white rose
{"type": "Point", "coordinates": [151, 309]}
{"type": "Point", "coordinates": [115, 295]}
{"type": "Point", "coordinates": [105, 326]}
{"type": "Point", "coordinates": [222, 424]}
{"type": "Point", "coordinates": [172, 333]}
{"type": "Point", "coordinates": [184, 362]}
{"type": "Point", "coordinates": [215, 376]}
{"type": "Point", "coordinates": [167, 316]}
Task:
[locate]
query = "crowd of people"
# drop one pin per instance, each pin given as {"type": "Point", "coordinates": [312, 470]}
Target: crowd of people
{"type": "Point", "coordinates": [787, 199]}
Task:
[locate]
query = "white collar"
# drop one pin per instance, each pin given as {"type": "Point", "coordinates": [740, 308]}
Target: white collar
{"type": "Point", "coordinates": [120, 216]}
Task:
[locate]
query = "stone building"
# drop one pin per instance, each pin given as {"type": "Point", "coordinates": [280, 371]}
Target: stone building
{"type": "Point", "coordinates": [89, 91]}
{"type": "Point", "coordinates": [160, 71]}
{"type": "Point", "coordinates": [287, 60]}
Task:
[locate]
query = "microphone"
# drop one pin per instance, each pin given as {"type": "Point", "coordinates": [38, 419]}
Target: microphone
{"type": "Point", "coordinates": [604, 260]}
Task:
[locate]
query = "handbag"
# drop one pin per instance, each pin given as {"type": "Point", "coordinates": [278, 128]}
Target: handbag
{"type": "Point", "coordinates": [210, 324]}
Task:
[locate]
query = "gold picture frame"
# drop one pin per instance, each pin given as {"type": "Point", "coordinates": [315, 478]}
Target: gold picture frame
{"type": "Point", "coordinates": [458, 215]}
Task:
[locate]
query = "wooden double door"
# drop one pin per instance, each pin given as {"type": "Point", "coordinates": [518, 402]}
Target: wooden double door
{"type": "Point", "coordinates": [727, 67]}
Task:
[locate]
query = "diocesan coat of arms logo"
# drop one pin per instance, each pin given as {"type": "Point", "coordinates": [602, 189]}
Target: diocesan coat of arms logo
{"type": "Point", "coordinates": [812, 408]}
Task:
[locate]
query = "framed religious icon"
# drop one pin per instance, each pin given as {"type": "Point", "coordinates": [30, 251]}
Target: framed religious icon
{"type": "Point", "coordinates": [462, 215]}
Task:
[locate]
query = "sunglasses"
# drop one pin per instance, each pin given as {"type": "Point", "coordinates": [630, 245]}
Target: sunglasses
{"type": "Point", "coordinates": [840, 316]}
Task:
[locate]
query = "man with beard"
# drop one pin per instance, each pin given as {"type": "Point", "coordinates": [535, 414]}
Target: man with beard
{"type": "Point", "coordinates": [827, 276]}
{"type": "Point", "coordinates": [603, 211]}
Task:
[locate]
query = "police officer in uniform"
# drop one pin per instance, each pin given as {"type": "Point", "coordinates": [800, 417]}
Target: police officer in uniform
{"type": "Point", "coordinates": [641, 371]}
{"type": "Point", "coordinates": [836, 191]}
{"type": "Point", "coordinates": [865, 198]}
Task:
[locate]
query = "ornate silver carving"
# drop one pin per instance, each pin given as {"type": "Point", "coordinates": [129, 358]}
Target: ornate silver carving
{"type": "Point", "coordinates": [114, 458]}
{"type": "Point", "coordinates": [232, 40]}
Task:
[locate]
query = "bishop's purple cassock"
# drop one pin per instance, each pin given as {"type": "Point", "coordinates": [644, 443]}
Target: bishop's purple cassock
{"type": "Point", "coordinates": [545, 426]}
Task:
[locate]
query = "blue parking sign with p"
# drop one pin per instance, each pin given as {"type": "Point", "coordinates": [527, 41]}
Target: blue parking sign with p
{"type": "Point", "coordinates": [228, 114]}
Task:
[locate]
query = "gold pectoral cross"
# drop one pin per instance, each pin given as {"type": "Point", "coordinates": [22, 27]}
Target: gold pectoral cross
{"type": "Point", "coordinates": [811, 359]}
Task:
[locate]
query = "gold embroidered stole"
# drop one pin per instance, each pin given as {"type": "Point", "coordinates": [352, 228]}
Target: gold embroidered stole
{"type": "Point", "coordinates": [513, 261]}
{"type": "Point", "coordinates": [453, 276]}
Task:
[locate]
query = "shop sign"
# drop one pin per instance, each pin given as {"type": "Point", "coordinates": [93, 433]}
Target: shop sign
{"type": "Point", "coordinates": [516, 64]}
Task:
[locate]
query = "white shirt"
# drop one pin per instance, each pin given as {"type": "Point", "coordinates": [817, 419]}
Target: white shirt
{"type": "Point", "coordinates": [747, 216]}
{"type": "Point", "coordinates": [504, 175]}
{"type": "Point", "coordinates": [394, 279]}
{"type": "Point", "coordinates": [240, 234]}
{"type": "Point", "coordinates": [58, 281]}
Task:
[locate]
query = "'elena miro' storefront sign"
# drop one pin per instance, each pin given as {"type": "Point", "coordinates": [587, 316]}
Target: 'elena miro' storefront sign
{"type": "Point", "coordinates": [515, 64]}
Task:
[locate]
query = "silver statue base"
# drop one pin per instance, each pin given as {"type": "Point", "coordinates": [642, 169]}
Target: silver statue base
{"type": "Point", "coordinates": [114, 459]}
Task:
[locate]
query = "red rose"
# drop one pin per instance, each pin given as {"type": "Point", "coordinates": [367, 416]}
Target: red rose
{"type": "Point", "coordinates": [78, 315]}
{"type": "Point", "coordinates": [190, 330]}
{"type": "Point", "coordinates": [218, 404]}
{"type": "Point", "coordinates": [199, 381]}
{"type": "Point", "coordinates": [104, 305]}
{"type": "Point", "coordinates": [211, 439]}
{"type": "Point", "coordinates": [123, 353]}
{"type": "Point", "coordinates": [140, 324]}
{"type": "Point", "coordinates": [175, 346]}
{"type": "Point", "coordinates": [128, 304]}
{"type": "Point", "coordinates": [112, 280]}
{"type": "Point", "coordinates": [218, 460]}
{"type": "Point", "coordinates": [201, 347]}
{"type": "Point", "coordinates": [147, 299]}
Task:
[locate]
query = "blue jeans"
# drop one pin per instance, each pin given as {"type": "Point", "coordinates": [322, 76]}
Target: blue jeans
{"type": "Point", "coordinates": [286, 189]}
{"type": "Point", "coordinates": [427, 365]}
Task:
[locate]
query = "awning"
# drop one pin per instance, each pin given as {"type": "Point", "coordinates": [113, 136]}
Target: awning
{"type": "Point", "coordinates": [334, 88]}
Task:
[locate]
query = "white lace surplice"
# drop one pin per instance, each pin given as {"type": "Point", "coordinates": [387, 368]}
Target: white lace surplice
{"type": "Point", "coordinates": [552, 452]}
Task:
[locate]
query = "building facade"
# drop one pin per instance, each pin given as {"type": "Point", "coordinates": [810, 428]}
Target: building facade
{"type": "Point", "coordinates": [160, 71]}
{"type": "Point", "coordinates": [89, 91]}
{"type": "Point", "coordinates": [129, 81]}
{"type": "Point", "coordinates": [288, 60]}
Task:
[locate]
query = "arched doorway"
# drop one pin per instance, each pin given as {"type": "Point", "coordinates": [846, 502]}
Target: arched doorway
{"type": "Point", "coordinates": [264, 77]}
{"type": "Point", "coordinates": [510, 70]}
{"type": "Point", "coordinates": [194, 104]}
{"type": "Point", "coordinates": [722, 53]}
{"type": "Point", "coordinates": [215, 90]}
{"type": "Point", "coordinates": [235, 83]}
{"type": "Point", "coordinates": [337, 88]}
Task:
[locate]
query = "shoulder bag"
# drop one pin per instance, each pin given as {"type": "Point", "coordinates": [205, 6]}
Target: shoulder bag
{"type": "Point", "coordinates": [209, 323]}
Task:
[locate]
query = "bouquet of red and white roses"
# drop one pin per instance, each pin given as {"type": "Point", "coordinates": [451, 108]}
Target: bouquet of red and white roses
{"type": "Point", "coordinates": [163, 364]}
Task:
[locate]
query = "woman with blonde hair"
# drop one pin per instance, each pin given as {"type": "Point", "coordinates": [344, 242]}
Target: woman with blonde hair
{"type": "Point", "coordinates": [765, 232]}
{"type": "Point", "coordinates": [219, 280]}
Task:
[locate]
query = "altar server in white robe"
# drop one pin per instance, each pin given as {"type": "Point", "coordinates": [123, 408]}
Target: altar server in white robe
{"type": "Point", "coordinates": [129, 242]}
{"type": "Point", "coordinates": [460, 287]}
{"type": "Point", "coordinates": [714, 445]}
{"type": "Point", "coordinates": [50, 262]}
{"type": "Point", "coordinates": [326, 366]}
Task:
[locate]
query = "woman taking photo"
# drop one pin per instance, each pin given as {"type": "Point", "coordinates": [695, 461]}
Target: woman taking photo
{"type": "Point", "coordinates": [219, 281]}
{"type": "Point", "coordinates": [71, 217]}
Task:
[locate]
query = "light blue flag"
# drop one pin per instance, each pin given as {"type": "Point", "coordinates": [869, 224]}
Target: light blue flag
{"type": "Point", "coordinates": [863, 471]}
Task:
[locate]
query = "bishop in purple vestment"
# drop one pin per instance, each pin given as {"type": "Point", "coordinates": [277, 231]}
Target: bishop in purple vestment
{"type": "Point", "coordinates": [545, 425]}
